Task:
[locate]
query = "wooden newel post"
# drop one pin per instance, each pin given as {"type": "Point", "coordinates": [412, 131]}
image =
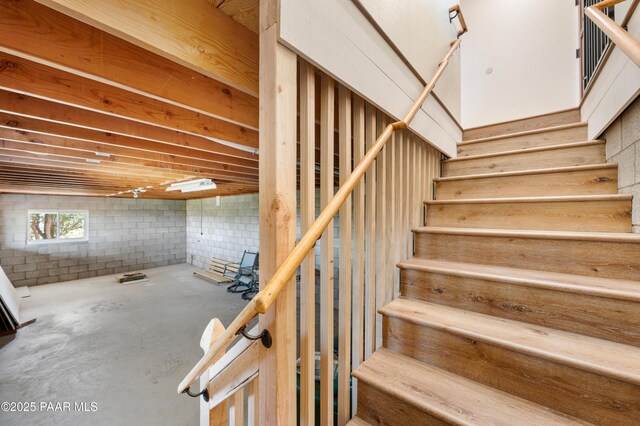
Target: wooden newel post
{"type": "Point", "coordinates": [278, 88]}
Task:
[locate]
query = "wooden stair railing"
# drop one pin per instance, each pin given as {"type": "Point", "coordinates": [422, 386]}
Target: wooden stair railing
{"type": "Point", "coordinates": [629, 45]}
{"type": "Point", "coordinates": [261, 303]}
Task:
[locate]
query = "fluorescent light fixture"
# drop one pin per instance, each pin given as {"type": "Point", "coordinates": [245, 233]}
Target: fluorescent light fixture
{"type": "Point", "coordinates": [192, 185]}
{"type": "Point", "coordinates": [103, 154]}
{"type": "Point", "coordinates": [202, 187]}
{"type": "Point", "coordinates": [91, 160]}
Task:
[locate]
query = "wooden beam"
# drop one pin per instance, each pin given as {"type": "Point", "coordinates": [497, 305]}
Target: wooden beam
{"type": "Point", "coordinates": [29, 106]}
{"type": "Point", "coordinates": [123, 165]}
{"type": "Point", "coordinates": [23, 76]}
{"type": "Point", "coordinates": [189, 32]}
{"type": "Point", "coordinates": [27, 158]}
{"type": "Point", "coordinates": [109, 142]}
{"type": "Point", "coordinates": [246, 12]}
{"type": "Point", "coordinates": [36, 32]}
{"type": "Point", "coordinates": [95, 175]}
{"type": "Point", "coordinates": [73, 149]}
{"type": "Point", "coordinates": [278, 92]}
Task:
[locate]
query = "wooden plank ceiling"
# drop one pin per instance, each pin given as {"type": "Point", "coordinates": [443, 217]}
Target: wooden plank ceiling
{"type": "Point", "coordinates": [101, 98]}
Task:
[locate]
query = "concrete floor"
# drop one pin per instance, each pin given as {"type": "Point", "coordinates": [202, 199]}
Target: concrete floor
{"type": "Point", "coordinates": [124, 347]}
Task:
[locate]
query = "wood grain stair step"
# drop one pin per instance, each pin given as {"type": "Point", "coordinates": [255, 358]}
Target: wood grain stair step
{"type": "Point", "coordinates": [567, 133]}
{"type": "Point", "coordinates": [573, 180]}
{"type": "Point", "coordinates": [589, 378]}
{"type": "Point", "coordinates": [357, 421]}
{"type": "Point", "coordinates": [597, 213]}
{"type": "Point", "coordinates": [556, 118]}
{"type": "Point", "coordinates": [600, 254]}
{"type": "Point", "coordinates": [562, 155]}
{"type": "Point", "coordinates": [599, 307]}
{"type": "Point", "coordinates": [411, 392]}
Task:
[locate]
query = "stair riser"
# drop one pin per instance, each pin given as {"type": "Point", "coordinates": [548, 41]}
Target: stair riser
{"type": "Point", "coordinates": [380, 408]}
{"type": "Point", "coordinates": [593, 258]}
{"type": "Point", "coordinates": [574, 391]}
{"type": "Point", "coordinates": [583, 182]}
{"type": "Point", "coordinates": [561, 157]}
{"type": "Point", "coordinates": [596, 216]}
{"type": "Point", "coordinates": [606, 318]}
{"type": "Point", "coordinates": [555, 137]}
{"type": "Point", "coordinates": [531, 123]}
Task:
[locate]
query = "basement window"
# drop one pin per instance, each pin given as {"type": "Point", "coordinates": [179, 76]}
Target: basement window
{"type": "Point", "coordinates": [47, 226]}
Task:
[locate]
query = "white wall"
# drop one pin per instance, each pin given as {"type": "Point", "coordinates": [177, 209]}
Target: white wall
{"type": "Point", "coordinates": [531, 47]}
{"type": "Point", "coordinates": [336, 37]}
{"type": "Point", "coordinates": [422, 32]}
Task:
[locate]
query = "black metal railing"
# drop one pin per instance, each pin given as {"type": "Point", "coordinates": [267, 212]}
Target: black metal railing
{"type": "Point", "coordinates": [594, 43]}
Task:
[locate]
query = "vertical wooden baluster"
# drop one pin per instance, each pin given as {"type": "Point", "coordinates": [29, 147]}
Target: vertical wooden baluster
{"type": "Point", "coordinates": [370, 218]}
{"type": "Point", "coordinates": [406, 229]}
{"type": "Point", "coordinates": [327, 180]}
{"type": "Point", "coordinates": [412, 191]}
{"type": "Point", "coordinates": [426, 179]}
{"type": "Point", "coordinates": [419, 169]}
{"type": "Point", "coordinates": [278, 143]}
{"type": "Point", "coordinates": [435, 160]}
{"type": "Point", "coordinates": [358, 254]}
{"type": "Point", "coordinates": [344, 315]}
{"type": "Point", "coordinates": [415, 196]}
{"type": "Point", "coordinates": [236, 409]}
{"type": "Point", "coordinates": [252, 402]}
{"type": "Point", "coordinates": [397, 241]}
{"type": "Point", "coordinates": [381, 241]}
{"type": "Point", "coordinates": [307, 269]}
{"type": "Point", "coordinates": [390, 219]}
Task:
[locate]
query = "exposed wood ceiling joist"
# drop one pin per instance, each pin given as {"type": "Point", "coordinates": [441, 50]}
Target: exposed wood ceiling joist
{"type": "Point", "coordinates": [36, 32]}
{"type": "Point", "coordinates": [29, 106]}
{"type": "Point", "coordinates": [31, 129]}
{"type": "Point", "coordinates": [20, 75]}
{"type": "Point", "coordinates": [246, 12]}
{"type": "Point", "coordinates": [189, 32]}
{"type": "Point", "coordinates": [103, 98]}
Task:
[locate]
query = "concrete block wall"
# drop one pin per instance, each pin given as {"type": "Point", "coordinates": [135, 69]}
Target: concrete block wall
{"type": "Point", "coordinates": [223, 231]}
{"type": "Point", "coordinates": [227, 230]}
{"type": "Point", "coordinates": [124, 235]}
{"type": "Point", "coordinates": [623, 147]}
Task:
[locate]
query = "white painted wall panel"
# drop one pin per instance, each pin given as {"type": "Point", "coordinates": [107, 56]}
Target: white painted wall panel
{"type": "Point", "coordinates": [531, 47]}
{"type": "Point", "coordinates": [337, 38]}
{"type": "Point", "coordinates": [422, 32]}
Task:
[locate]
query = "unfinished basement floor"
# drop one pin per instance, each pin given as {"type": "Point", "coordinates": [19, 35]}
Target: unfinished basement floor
{"type": "Point", "coordinates": [124, 347]}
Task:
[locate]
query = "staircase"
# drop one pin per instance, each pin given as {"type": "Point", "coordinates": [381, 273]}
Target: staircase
{"type": "Point", "coordinates": [521, 305]}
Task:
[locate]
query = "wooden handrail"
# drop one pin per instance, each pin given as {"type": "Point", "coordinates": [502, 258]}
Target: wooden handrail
{"type": "Point", "coordinates": [463, 24]}
{"type": "Point", "coordinates": [629, 45]}
{"type": "Point", "coordinates": [265, 298]}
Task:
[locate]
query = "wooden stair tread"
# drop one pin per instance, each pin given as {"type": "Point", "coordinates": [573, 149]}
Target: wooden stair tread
{"type": "Point", "coordinates": [450, 397]}
{"type": "Point", "coordinates": [357, 421]}
{"type": "Point", "coordinates": [523, 133]}
{"type": "Point", "coordinates": [595, 286]}
{"type": "Point", "coordinates": [525, 151]}
{"type": "Point", "coordinates": [528, 172]}
{"type": "Point", "coordinates": [604, 197]}
{"type": "Point", "coordinates": [557, 235]}
{"type": "Point", "coordinates": [610, 359]}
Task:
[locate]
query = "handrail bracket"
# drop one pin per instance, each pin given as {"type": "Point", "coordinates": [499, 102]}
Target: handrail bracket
{"type": "Point", "coordinates": [264, 337]}
{"type": "Point", "coordinates": [204, 392]}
